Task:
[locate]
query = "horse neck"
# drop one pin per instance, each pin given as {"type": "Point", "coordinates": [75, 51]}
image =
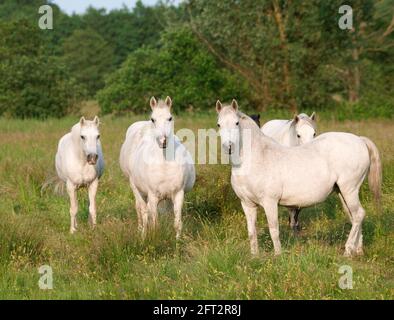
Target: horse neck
{"type": "Point", "coordinates": [250, 133]}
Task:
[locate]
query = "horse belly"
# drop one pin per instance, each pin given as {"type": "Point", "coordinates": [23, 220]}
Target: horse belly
{"type": "Point", "coordinates": [307, 193]}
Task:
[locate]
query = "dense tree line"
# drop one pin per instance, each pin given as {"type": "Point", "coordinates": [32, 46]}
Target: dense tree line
{"type": "Point", "coordinates": [181, 68]}
{"type": "Point", "coordinates": [271, 54]}
{"type": "Point", "coordinates": [293, 53]}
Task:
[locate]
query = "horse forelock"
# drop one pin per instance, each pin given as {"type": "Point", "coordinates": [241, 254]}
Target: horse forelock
{"type": "Point", "coordinates": [161, 109]}
{"type": "Point", "coordinates": [245, 121]}
{"type": "Point", "coordinates": [226, 109]}
{"type": "Point", "coordinates": [161, 104]}
{"type": "Point", "coordinates": [309, 121]}
{"type": "Point", "coordinates": [88, 124]}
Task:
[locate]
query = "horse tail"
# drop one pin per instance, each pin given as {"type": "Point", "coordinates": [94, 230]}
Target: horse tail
{"type": "Point", "coordinates": [375, 171]}
{"type": "Point", "coordinates": [57, 184]}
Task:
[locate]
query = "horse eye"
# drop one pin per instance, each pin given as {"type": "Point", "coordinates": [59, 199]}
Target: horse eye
{"type": "Point", "coordinates": [170, 119]}
{"type": "Point", "coordinates": [314, 134]}
{"type": "Point", "coordinates": [298, 136]}
{"type": "Point", "coordinates": [237, 123]}
{"type": "Point", "coordinates": [82, 137]}
{"type": "Point", "coordinates": [153, 120]}
{"type": "Point", "coordinates": [218, 125]}
{"type": "Point", "coordinates": [98, 137]}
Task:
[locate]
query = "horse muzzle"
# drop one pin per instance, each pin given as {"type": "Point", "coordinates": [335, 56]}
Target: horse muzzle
{"type": "Point", "coordinates": [228, 147]}
{"type": "Point", "coordinates": [92, 158]}
{"type": "Point", "coordinates": [162, 142]}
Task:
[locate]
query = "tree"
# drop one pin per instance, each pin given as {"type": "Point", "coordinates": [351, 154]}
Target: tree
{"type": "Point", "coordinates": [89, 58]}
{"type": "Point", "coordinates": [32, 84]}
{"type": "Point", "coordinates": [292, 53]}
{"type": "Point", "coordinates": [261, 41]}
{"type": "Point", "coordinates": [181, 68]}
{"type": "Point", "coordinates": [371, 38]}
{"type": "Point", "coordinates": [20, 9]}
{"type": "Point", "coordinates": [127, 30]}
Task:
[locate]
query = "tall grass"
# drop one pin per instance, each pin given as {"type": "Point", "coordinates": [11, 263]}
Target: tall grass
{"type": "Point", "coordinates": [211, 261]}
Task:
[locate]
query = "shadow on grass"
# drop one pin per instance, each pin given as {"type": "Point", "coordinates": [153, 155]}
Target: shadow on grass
{"type": "Point", "coordinates": [328, 223]}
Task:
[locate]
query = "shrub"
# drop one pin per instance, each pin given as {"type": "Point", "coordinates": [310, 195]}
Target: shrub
{"type": "Point", "coordinates": [33, 84]}
{"type": "Point", "coordinates": [89, 58]}
{"type": "Point", "coordinates": [181, 68]}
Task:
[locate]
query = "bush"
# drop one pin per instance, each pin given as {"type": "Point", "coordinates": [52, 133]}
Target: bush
{"type": "Point", "coordinates": [33, 84]}
{"type": "Point", "coordinates": [181, 68]}
{"type": "Point", "coordinates": [89, 58]}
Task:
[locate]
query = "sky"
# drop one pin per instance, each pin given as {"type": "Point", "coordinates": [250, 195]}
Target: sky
{"type": "Point", "coordinates": [79, 6]}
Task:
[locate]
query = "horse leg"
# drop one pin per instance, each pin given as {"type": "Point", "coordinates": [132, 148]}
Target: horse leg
{"type": "Point", "coordinates": [354, 241]}
{"type": "Point", "coordinates": [152, 209]}
{"type": "Point", "coordinates": [72, 192]}
{"type": "Point", "coordinates": [359, 245]}
{"type": "Point", "coordinates": [293, 219]}
{"type": "Point", "coordinates": [271, 211]}
{"type": "Point", "coordinates": [140, 207]}
{"type": "Point", "coordinates": [178, 204]}
{"type": "Point", "coordinates": [251, 217]}
{"type": "Point", "coordinates": [92, 202]}
{"type": "Point", "coordinates": [344, 206]}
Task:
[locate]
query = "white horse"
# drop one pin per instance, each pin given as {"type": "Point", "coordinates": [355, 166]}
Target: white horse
{"type": "Point", "coordinates": [269, 174]}
{"type": "Point", "coordinates": [157, 164]}
{"type": "Point", "coordinates": [299, 130]}
{"type": "Point", "coordinates": [80, 162]}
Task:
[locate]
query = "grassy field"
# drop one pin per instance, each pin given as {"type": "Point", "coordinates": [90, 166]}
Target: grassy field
{"type": "Point", "coordinates": [212, 261]}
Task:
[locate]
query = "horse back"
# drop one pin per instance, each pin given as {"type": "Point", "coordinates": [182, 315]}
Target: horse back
{"type": "Point", "coordinates": [345, 153]}
{"type": "Point", "coordinates": [271, 127]}
{"type": "Point", "coordinates": [279, 130]}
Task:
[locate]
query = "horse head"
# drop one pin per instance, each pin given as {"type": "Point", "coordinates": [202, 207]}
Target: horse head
{"type": "Point", "coordinates": [305, 127]}
{"type": "Point", "coordinates": [89, 138]}
{"type": "Point", "coordinates": [162, 121]}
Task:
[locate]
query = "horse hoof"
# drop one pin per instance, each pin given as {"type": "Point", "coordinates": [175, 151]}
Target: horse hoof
{"type": "Point", "coordinates": [348, 253]}
{"type": "Point", "coordinates": [296, 230]}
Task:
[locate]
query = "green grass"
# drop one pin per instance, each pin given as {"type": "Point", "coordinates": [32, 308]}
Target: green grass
{"type": "Point", "coordinates": [211, 261]}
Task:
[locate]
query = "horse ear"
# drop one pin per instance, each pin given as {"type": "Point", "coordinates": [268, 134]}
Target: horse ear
{"type": "Point", "coordinates": [234, 104]}
{"type": "Point", "coordinates": [313, 116]}
{"type": "Point", "coordinates": [82, 121]}
{"type": "Point", "coordinates": [168, 102]}
{"type": "Point", "coordinates": [153, 102]}
{"type": "Point", "coordinates": [218, 106]}
{"type": "Point", "coordinates": [296, 118]}
{"type": "Point", "coordinates": [96, 121]}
